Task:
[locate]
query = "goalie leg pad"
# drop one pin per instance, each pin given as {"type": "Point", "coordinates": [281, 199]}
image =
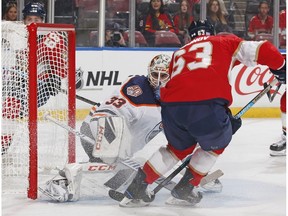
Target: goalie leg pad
{"type": "Point", "coordinates": [119, 179]}
{"type": "Point", "coordinates": [108, 138]}
{"type": "Point", "coordinates": [88, 147]}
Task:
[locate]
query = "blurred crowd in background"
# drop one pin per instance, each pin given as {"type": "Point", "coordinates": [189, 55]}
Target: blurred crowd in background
{"type": "Point", "coordinates": [162, 23]}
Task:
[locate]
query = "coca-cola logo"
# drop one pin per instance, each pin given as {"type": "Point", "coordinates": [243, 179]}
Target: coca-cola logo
{"type": "Point", "coordinates": [250, 80]}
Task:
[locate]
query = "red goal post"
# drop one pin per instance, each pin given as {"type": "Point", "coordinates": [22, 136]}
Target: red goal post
{"type": "Point", "coordinates": [38, 61]}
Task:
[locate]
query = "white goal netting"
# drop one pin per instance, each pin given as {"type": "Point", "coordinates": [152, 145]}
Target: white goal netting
{"type": "Point", "coordinates": [48, 55]}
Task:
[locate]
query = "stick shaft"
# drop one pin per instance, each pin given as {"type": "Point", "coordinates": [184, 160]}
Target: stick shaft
{"type": "Point", "coordinates": [255, 99]}
{"type": "Point", "coordinates": [172, 175]}
{"type": "Point", "coordinates": [68, 128]}
{"type": "Point", "coordinates": [86, 100]}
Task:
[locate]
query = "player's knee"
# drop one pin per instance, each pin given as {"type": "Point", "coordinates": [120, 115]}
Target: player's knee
{"type": "Point", "coordinates": [201, 163]}
{"type": "Point", "coordinates": [181, 154]}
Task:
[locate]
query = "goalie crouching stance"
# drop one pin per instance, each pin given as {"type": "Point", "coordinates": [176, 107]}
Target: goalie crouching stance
{"type": "Point", "coordinates": [132, 110]}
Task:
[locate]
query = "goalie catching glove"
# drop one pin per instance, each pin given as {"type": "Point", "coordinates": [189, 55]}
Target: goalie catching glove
{"type": "Point", "coordinates": [65, 186]}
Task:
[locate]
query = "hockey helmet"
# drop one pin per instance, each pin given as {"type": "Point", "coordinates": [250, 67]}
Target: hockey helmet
{"type": "Point", "coordinates": [200, 27]}
{"type": "Point", "coordinates": [158, 70]}
{"type": "Point", "coordinates": [34, 9]}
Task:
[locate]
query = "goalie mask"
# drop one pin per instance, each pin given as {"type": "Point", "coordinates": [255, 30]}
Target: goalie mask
{"type": "Point", "coordinates": [200, 27]}
{"type": "Point", "coordinates": [158, 70]}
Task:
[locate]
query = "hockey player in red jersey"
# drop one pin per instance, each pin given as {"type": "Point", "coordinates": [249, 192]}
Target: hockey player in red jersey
{"type": "Point", "coordinates": [195, 110]}
{"type": "Point", "coordinates": [15, 77]}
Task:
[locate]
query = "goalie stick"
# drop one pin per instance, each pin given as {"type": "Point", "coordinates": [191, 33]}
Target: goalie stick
{"type": "Point", "coordinates": [82, 98]}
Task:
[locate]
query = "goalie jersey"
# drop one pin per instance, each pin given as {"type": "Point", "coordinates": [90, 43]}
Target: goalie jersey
{"type": "Point", "coordinates": [135, 102]}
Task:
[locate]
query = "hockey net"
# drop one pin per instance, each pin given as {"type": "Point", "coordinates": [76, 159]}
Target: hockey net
{"type": "Point", "coordinates": [38, 76]}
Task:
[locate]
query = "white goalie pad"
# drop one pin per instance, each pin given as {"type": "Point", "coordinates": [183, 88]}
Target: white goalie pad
{"type": "Point", "coordinates": [109, 138]}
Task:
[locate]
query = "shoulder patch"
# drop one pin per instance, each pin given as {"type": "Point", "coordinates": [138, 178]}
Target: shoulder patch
{"type": "Point", "coordinates": [134, 91]}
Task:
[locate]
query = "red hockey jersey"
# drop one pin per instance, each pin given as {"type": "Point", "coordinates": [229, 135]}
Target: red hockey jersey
{"type": "Point", "coordinates": [200, 70]}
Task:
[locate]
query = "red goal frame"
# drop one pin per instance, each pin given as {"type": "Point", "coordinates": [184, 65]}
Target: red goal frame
{"type": "Point", "coordinates": [32, 58]}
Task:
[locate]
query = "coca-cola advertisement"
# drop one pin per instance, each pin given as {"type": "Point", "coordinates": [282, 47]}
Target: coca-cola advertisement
{"type": "Point", "coordinates": [247, 82]}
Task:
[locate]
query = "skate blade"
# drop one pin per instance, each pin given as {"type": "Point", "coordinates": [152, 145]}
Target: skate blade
{"type": "Point", "coordinates": [277, 153]}
{"type": "Point", "coordinates": [213, 187]}
{"type": "Point", "coordinates": [132, 203]}
{"type": "Point", "coordinates": [178, 202]}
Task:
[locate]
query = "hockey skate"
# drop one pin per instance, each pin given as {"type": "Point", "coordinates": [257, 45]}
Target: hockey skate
{"type": "Point", "coordinates": [279, 148]}
{"type": "Point", "coordinates": [136, 195]}
{"type": "Point", "coordinates": [183, 194]}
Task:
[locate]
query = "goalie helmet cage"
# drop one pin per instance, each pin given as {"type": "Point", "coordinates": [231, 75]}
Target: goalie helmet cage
{"type": "Point", "coordinates": [33, 148]}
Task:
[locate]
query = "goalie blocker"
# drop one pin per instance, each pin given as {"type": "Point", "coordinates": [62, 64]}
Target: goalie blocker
{"type": "Point", "coordinates": [107, 132]}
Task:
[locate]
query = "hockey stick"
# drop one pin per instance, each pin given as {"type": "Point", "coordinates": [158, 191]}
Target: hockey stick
{"type": "Point", "coordinates": [255, 99]}
{"type": "Point", "coordinates": [171, 176]}
{"type": "Point", "coordinates": [82, 98]}
{"type": "Point", "coordinates": [271, 97]}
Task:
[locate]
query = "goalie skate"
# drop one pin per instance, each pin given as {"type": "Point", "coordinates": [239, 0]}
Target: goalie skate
{"type": "Point", "coordinates": [279, 148]}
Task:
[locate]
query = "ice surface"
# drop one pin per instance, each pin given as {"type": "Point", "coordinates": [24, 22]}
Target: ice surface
{"type": "Point", "coordinates": [254, 184]}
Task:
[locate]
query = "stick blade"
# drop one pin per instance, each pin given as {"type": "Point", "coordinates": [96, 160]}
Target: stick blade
{"type": "Point", "coordinates": [211, 177]}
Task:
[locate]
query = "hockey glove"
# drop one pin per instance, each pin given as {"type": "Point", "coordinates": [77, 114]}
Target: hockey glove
{"type": "Point", "coordinates": [280, 74]}
{"type": "Point", "coordinates": [57, 189]}
{"type": "Point", "coordinates": [235, 123]}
